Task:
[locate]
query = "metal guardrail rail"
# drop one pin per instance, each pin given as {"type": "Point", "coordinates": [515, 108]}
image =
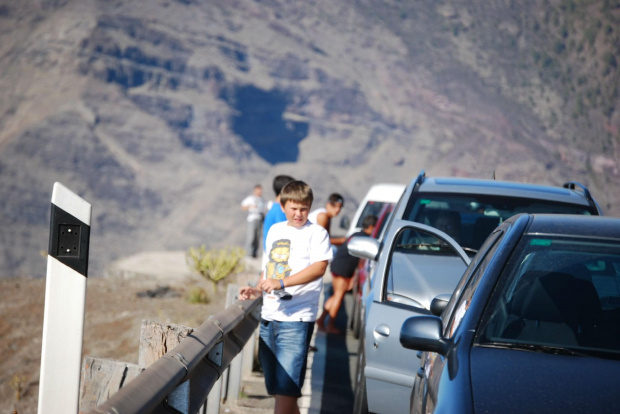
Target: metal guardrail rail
{"type": "Point", "coordinates": [180, 381]}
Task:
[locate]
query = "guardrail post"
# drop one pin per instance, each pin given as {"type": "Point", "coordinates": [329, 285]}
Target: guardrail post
{"type": "Point", "coordinates": [102, 378]}
{"type": "Point", "coordinates": [223, 387]}
{"type": "Point", "coordinates": [215, 396]}
{"type": "Point", "coordinates": [65, 297]}
{"type": "Point", "coordinates": [249, 353]}
{"type": "Point", "coordinates": [156, 339]}
{"type": "Point", "coordinates": [234, 371]}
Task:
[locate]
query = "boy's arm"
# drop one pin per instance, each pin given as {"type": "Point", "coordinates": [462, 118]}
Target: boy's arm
{"type": "Point", "coordinates": [250, 292]}
{"type": "Point", "coordinates": [337, 241]}
{"type": "Point", "coordinates": [310, 273]}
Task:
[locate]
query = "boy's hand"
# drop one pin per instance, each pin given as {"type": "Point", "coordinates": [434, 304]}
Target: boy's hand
{"type": "Point", "coordinates": [269, 285]}
{"type": "Point", "coordinates": [248, 292]}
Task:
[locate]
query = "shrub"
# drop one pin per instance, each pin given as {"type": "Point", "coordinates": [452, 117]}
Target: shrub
{"type": "Point", "coordinates": [18, 384]}
{"type": "Point", "coordinates": [197, 295]}
{"type": "Point", "coordinates": [215, 265]}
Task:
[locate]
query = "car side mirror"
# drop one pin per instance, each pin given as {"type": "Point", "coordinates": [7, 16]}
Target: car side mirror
{"type": "Point", "coordinates": [364, 247]}
{"type": "Point", "coordinates": [439, 303]}
{"type": "Point", "coordinates": [423, 333]}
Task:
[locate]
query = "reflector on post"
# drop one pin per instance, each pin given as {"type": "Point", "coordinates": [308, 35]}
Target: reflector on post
{"type": "Point", "coordinates": [65, 294]}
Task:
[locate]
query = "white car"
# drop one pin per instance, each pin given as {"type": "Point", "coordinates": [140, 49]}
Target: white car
{"type": "Point", "coordinates": [377, 196]}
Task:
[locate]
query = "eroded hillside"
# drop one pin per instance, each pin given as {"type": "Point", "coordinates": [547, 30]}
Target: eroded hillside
{"type": "Point", "coordinates": [164, 114]}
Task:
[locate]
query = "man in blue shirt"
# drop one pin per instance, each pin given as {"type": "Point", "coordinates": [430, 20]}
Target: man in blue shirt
{"type": "Point", "coordinates": [275, 213]}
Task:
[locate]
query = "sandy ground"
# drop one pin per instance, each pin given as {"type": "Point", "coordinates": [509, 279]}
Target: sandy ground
{"type": "Point", "coordinates": [115, 308]}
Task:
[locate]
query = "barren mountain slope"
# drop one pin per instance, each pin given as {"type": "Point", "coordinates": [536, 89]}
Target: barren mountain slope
{"type": "Point", "coordinates": [164, 114]}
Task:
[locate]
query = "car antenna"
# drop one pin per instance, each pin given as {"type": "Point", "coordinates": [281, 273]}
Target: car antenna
{"type": "Point", "coordinates": [493, 175]}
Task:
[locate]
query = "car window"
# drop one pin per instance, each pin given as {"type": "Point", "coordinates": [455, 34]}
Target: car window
{"type": "Point", "coordinates": [461, 298]}
{"type": "Point", "coordinates": [382, 219]}
{"type": "Point", "coordinates": [391, 217]}
{"type": "Point", "coordinates": [414, 241]}
{"type": "Point", "coordinates": [414, 253]}
{"type": "Point", "coordinates": [470, 218]}
{"type": "Point", "coordinates": [557, 292]}
{"type": "Point", "coordinates": [372, 208]}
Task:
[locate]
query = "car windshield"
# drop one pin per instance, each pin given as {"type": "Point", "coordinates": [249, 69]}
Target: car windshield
{"type": "Point", "coordinates": [470, 218]}
{"type": "Point", "coordinates": [557, 295]}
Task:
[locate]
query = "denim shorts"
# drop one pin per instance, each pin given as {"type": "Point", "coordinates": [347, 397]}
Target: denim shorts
{"type": "Point", "coordinates": [283, 353]}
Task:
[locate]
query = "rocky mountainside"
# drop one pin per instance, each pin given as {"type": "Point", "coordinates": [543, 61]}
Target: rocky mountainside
{"type": "Point", "coordinates": [164, 113]}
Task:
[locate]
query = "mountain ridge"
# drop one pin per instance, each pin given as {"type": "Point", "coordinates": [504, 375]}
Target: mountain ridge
{"type": "Point", "coordinates": [164, 114]}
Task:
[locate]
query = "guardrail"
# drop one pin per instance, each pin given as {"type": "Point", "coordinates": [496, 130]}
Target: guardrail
{"type": "Point", "coordinates": [181, 380]}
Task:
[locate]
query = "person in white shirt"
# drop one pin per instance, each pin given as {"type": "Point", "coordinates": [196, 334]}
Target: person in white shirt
{"type": "Point", "coordinates": [324, 215]}
{"type": "Point", "coordinates": [255, 206]}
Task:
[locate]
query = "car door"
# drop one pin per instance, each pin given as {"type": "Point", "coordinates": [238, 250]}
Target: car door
{"type": "Point", "coordinates": [417, 263]}
{"type": "Point", "coordinates": [425, 395]}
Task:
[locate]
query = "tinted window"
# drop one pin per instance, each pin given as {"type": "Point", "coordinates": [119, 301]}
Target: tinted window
{"type": "Point", "coordinates": [382, 219]}
{"type": "Point", "coordinates": [372, 208]}
{"type": "Point", "coordinates": [419, 264]}
{"type": "Point", "coordinates": [470, 218]}
{"type": "Point", "coordinates": [461, 298]}
{"type": "Point", "coordinates": [557, 292]}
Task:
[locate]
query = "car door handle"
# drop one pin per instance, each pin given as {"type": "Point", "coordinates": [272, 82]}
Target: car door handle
{"type": "Point", "coordinates": [383, 330]}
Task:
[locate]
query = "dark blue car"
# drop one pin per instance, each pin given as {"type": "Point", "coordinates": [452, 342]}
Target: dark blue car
{"type": "Point", "coordinates": [533, 325]}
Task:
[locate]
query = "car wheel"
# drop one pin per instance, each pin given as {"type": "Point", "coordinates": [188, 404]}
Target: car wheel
{"type": "Point", "coordinates": [360, 403]}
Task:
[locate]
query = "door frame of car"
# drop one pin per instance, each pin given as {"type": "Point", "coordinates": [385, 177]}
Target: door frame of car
{"type": "Point", "coordinates": [428, 334]}
{"type": "Point", "coordinates": [372, 249]}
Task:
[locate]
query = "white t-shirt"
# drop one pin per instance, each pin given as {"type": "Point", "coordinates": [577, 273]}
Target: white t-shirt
{"type": "Point", "coordinates": [290, 250]}
{"type": "Point", "coordinates": [315, 213]}
{"type": "Point", "coordinates": [257, 207]}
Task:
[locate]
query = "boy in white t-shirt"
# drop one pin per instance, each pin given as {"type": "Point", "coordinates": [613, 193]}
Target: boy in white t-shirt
{"type": "Point", "coordinates": [297, 254]}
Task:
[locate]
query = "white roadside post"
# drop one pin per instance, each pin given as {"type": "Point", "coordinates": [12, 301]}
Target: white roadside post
{"type": "Point", "coordinates": [65, 294]}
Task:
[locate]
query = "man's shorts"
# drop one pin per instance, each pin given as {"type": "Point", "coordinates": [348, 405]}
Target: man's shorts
{"type": "Point", "coordinates": [283, 353]}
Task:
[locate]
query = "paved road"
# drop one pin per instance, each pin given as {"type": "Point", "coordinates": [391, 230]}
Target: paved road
{"type": "Point", "coordinates": [328, 387]}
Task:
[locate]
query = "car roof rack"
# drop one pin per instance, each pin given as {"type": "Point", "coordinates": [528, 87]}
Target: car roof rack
{"type": "Point", "coordinates": [574, 185]}
{"type": "Point", "coordinates": [420, 178]}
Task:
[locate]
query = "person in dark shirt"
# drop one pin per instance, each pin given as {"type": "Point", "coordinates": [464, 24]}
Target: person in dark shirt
{"type": "Point", "coordinates": [343, 268]}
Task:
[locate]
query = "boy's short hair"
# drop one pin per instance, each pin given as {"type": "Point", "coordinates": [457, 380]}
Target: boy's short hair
{"type": "Point", "coordinates": [280, 181]}
{"type": "Point", "coordinates": [369, 221]}
{"type": "Point", "coordinates": [297, 191]}
{"type": "Point", "coordinates": [335, 198]}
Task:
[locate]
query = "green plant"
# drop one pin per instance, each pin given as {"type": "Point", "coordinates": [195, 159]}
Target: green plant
{"type": "Point", "coordinates": [197, 295]}
{"type": "Point", "coordinates": [18, 384]}
{"type": "Point", "coordinates": [215, 265]}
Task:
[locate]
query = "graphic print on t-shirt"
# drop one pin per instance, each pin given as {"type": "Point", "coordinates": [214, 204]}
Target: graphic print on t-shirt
{"type": "Point", "coordinates": [277, 267]}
